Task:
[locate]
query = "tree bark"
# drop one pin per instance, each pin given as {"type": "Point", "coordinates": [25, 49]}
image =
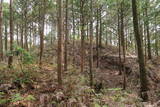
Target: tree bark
{"type": "Point", "coordinates": [17, 34]}
{"type": "Point", "coordinates": [119, 43]}
{"type": "Point", "coordinates": [10, 60]}
{"type": "Point", "coordinates": [73, 21]}
{"type": "Point", "coordinates": [22, 31]}
{"type": "Point", "coordinates": [97, 38]}
{"type": "Point", "coordinates": [41, 31]}
{"type": "Point", "coordinates": [6, 37]}
{"type": "Point", "coordinates": [156, 38]}
{"type": "Point", "coordinates": [122, 31]}
{"type": "Point", "coordinates": [100, 32]}
{"type": "Point", "coordinates": [91, 45]}
{"type": "Point", "coordinates": [60, 35]}
{"type": "Point", "coordinates": [66, 39]}
{"type": "Point", "coordinates": [82, 34]}
{"type": "Point", "coordinates": [148, 34]}
{"type": "Point", "coordinates": [1, 33]}
{"type": "Point", "coordinates": [143, 77]}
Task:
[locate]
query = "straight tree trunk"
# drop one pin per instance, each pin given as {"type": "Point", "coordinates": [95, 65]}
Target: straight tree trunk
{"type": "Point", "coordinates": [97, 38]}
{"type": "Point", "coordinates": [26, 34]}
{"type": "Point", "coordinates": [156, 38]}
{"type": "Point", "coordinates": [41, 31]}
{"type": "Point", "coordinates": [106, 38]}
{"type": "Point", "coordinates": [143, 77]}
{"type": "Point", "coordinates": [148, 35]}
{"type": "Point", "coordinates": [30, 40]}
{"type": "Point", "coordinates": [6, 37]}
{"type": "Point", "coordinates": [91, 45]}
{"type": "Point", "coordinates": [73, 21]}
{"type": "Point", "coordinates": [17, 34]}
{"type": "Point", "coordinates": [1, 33]}
{"type": "Point", "coordinates": [119, 43]}
{"type": "Point", "coordinates": [122, 31]}
{"type": "Point", "coordinates": [60, 35]}
{"type": "Point", "coordinates": [66, 39]}
{"type": "Point", "coordinates": [145, 39]}
{"type": "Point", "coordinates": [82, 34]}
{"type": "Point", "coordinates": [123, 44]}
{"type": "Point", "coordinates": [74, 31]}
{"type": "Point", "coordinates": [87, 36]}
{"type": "Point", "coordinates": [100, 33]}
{"type": "Point", "coordinates": [10, 60]}
{"type": "Point", "coordinates": [22, 31]}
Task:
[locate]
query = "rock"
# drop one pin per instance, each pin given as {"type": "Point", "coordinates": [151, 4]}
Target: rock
{"type": "Point", "coordinates": [59, 96]}
{"type": "Point", "coordinates": [44, 99]}
{"type": "Point", "coordinates": [5, 87]}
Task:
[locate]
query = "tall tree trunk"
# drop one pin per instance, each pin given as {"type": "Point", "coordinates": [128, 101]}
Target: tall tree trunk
{"type": "Point", "coordinates": [122, 31]}
{"type": "Point", "coordinates": [74, 31]}
{"type": "Point", "coordinates": [17, 34]}
{"type": "Point", "coordinates": [91, 45]}
{"type": "Point", "coordinates": [156, 38]}
{"type": "Point", "coordinates": [30, 40]}
{"type": "Point", "coordinates": [60, 34]}
{"type": "Point", "coordinates": [26, 34]}
{"type": "Point", "coordinates": [148, 35]}
{"type": "Point", "coordinates": [82, 34]}
{"type": "Point", "coordinates": [1, 33]}
{"type": "Point", "coordinates": [22, 31]}
{"type": "Point", "coordinates": [6, 37]}
{"type": "Point", "coordinates": [41, 30]}
{"type": "Point", "coordinates": [73, 21]}
{"type": "Point", "coordinates": [97, 38]}
{"type": "Point", "coordinates": [106, 36]}
{"type": "Point", "coordinates": [10, 60]}
{"type": "Point", "coordinates": [143, 77]}
{"type": "Point", "coordinates": [66, 39]}
{"type": "Point", "coordinates": [145, 39]}
{"type": "Point", "coordinates": [100, 32]}
{"type": "Point", "coordinates": [123, 43]}
{"type": "Point", "coordinates": [119, 43]}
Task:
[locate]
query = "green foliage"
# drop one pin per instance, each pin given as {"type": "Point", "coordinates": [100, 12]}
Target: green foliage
{"type": "Point", "coordinates": [5, 12]}
{"type": "Point", "coordinates": [114, 89]}
{"type": "Point", "coordinates": [117, 97]}
{"type": "Point", "coordinates": [3, 101]}
{"type": "Point", "coordinates": [97, 105]}
{"type": "Point", "coordinates": [26, 56]}
{"type": "Point", "coordinates": [16, 97]}
{"type": "Point", "coordinates": [1, 94]}
{"type": "Point", "coordinates": [30, 98]}
{"type": "Point", "coordinates": [89, 90]}
{"type": "Point", "coordinates": [22, 78]}
{"type": "Point", "coordinates": [22, 54]}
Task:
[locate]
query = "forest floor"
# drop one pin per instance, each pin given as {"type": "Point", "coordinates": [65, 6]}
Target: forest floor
{"type": "Point", "coordinates": [38, 87]}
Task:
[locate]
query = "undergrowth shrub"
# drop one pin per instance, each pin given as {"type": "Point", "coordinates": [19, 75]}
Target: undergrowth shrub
{"type": "Point", "coordinates": [24, 59]}
{"type": "Point", "coordinates": [22, 78]}
{"type": "Point", "coordinates": [15, 98]}
{"type": "Point", "coordinates": [23, 55]}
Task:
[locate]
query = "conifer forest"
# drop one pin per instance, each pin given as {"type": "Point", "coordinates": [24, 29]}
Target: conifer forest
{"type": "Point", "coordinates": [79, 53]}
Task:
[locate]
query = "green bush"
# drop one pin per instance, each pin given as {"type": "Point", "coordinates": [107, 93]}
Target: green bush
{"type": "Point", "coordinates": [22, 54]}
{"type": "Point", "coordinates": [15, 97]}
{"type": "Point", "coordinates": [22, 78]}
